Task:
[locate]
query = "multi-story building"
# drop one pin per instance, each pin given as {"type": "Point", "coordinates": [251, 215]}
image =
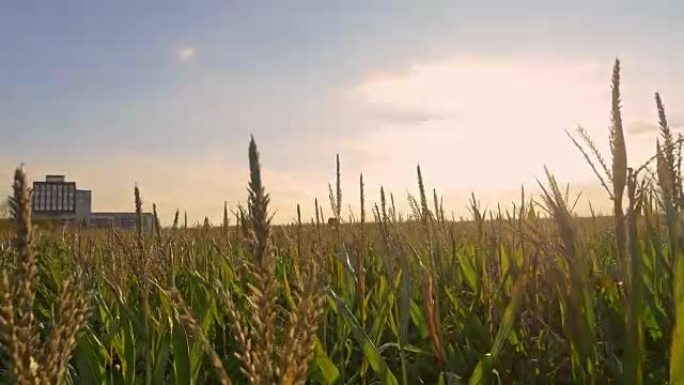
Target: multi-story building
{"type": "Point", "coordinates": [55, 199]}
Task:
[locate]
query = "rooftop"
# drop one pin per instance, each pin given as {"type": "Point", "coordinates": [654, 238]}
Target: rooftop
{"type": "Point", "coordinates": [55, 178]}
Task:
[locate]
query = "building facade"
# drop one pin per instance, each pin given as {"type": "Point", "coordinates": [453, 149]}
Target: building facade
{"type": "Point", "coordinates": [57, 200]}
{"type": "Point", "coordinates": [121, 220]}
{"type": "Point", "coordinates": [54, 198]}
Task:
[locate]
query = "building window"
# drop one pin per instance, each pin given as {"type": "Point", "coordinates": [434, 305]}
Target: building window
{"type": "Point", "coordinates": [50, 196]}
{"type": "Point", "coordinates": [54, 198]}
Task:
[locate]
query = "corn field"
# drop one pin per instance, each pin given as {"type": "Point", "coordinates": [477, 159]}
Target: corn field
{"type": "Point", "coordinates": [532, 295]}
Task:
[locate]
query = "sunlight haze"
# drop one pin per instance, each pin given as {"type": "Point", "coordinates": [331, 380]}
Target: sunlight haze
{"type": "Point", "coordinates": [166, 95]}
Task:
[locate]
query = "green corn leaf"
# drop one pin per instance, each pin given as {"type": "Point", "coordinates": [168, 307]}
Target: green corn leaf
{"type": "Point", "coordinates": [90, 358]}
{"type": "Point", "coordinates": [370, 352]}
{"type": "Point", "coordinates": [181, 356]}
{"type": "Point", "coordinates": [328, 372]}
{"type": "Point", "coordinates": [482, 370]}
{"type": "Point", "coordinates": [677, 347]}
{"type": "Point", "coordinates": [486, 364]}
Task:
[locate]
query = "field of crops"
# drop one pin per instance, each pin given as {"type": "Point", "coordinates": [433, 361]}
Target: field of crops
{"type": "Point", "coordinates": [533, 295]}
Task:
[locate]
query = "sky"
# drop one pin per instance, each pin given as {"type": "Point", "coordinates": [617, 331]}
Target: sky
{"type": "Point", "coordinates": [166, 94]}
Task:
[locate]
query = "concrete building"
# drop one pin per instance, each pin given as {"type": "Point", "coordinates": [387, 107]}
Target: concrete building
{"type": "Point", "coordinates": [57, 200]}
{"type": "Point", "coordinates": [83, 205]}
{"type": "Point", "coordinates": [120, 220]}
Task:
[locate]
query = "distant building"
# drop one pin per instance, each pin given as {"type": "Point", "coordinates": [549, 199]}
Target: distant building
{"type": "Point", "coordinates": [122, 220]}
{"type": "Point", "coordinates": [55, 199]}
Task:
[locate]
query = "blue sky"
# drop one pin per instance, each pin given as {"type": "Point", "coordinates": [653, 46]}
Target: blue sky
{"type": "Point", "coordinates": [166, 93]}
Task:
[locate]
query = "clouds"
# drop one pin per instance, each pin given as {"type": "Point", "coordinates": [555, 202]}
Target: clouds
{"type": "Point", "coordinates": [399, 116]}
{"type": "Point", "coordinates": [641, 127]}
{"type": "Point", "coordinates": [476, 123]}
{"type": "Point", "coordinates": [185, 54]}
{"type": "Point", "coordinates": [488, 123]}
{"type": "Point", "coordinates": [500, 117]}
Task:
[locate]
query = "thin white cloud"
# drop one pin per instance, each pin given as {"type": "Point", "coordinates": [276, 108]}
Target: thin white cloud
{"type": "Point", "coordinates": [500, 113]}
{"type": "Point", "coordinates": [504, 119]}
{"type": "Point", "coordinates": [640, 127]}
{"type": "Point", "coordinates": [186, 53]}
